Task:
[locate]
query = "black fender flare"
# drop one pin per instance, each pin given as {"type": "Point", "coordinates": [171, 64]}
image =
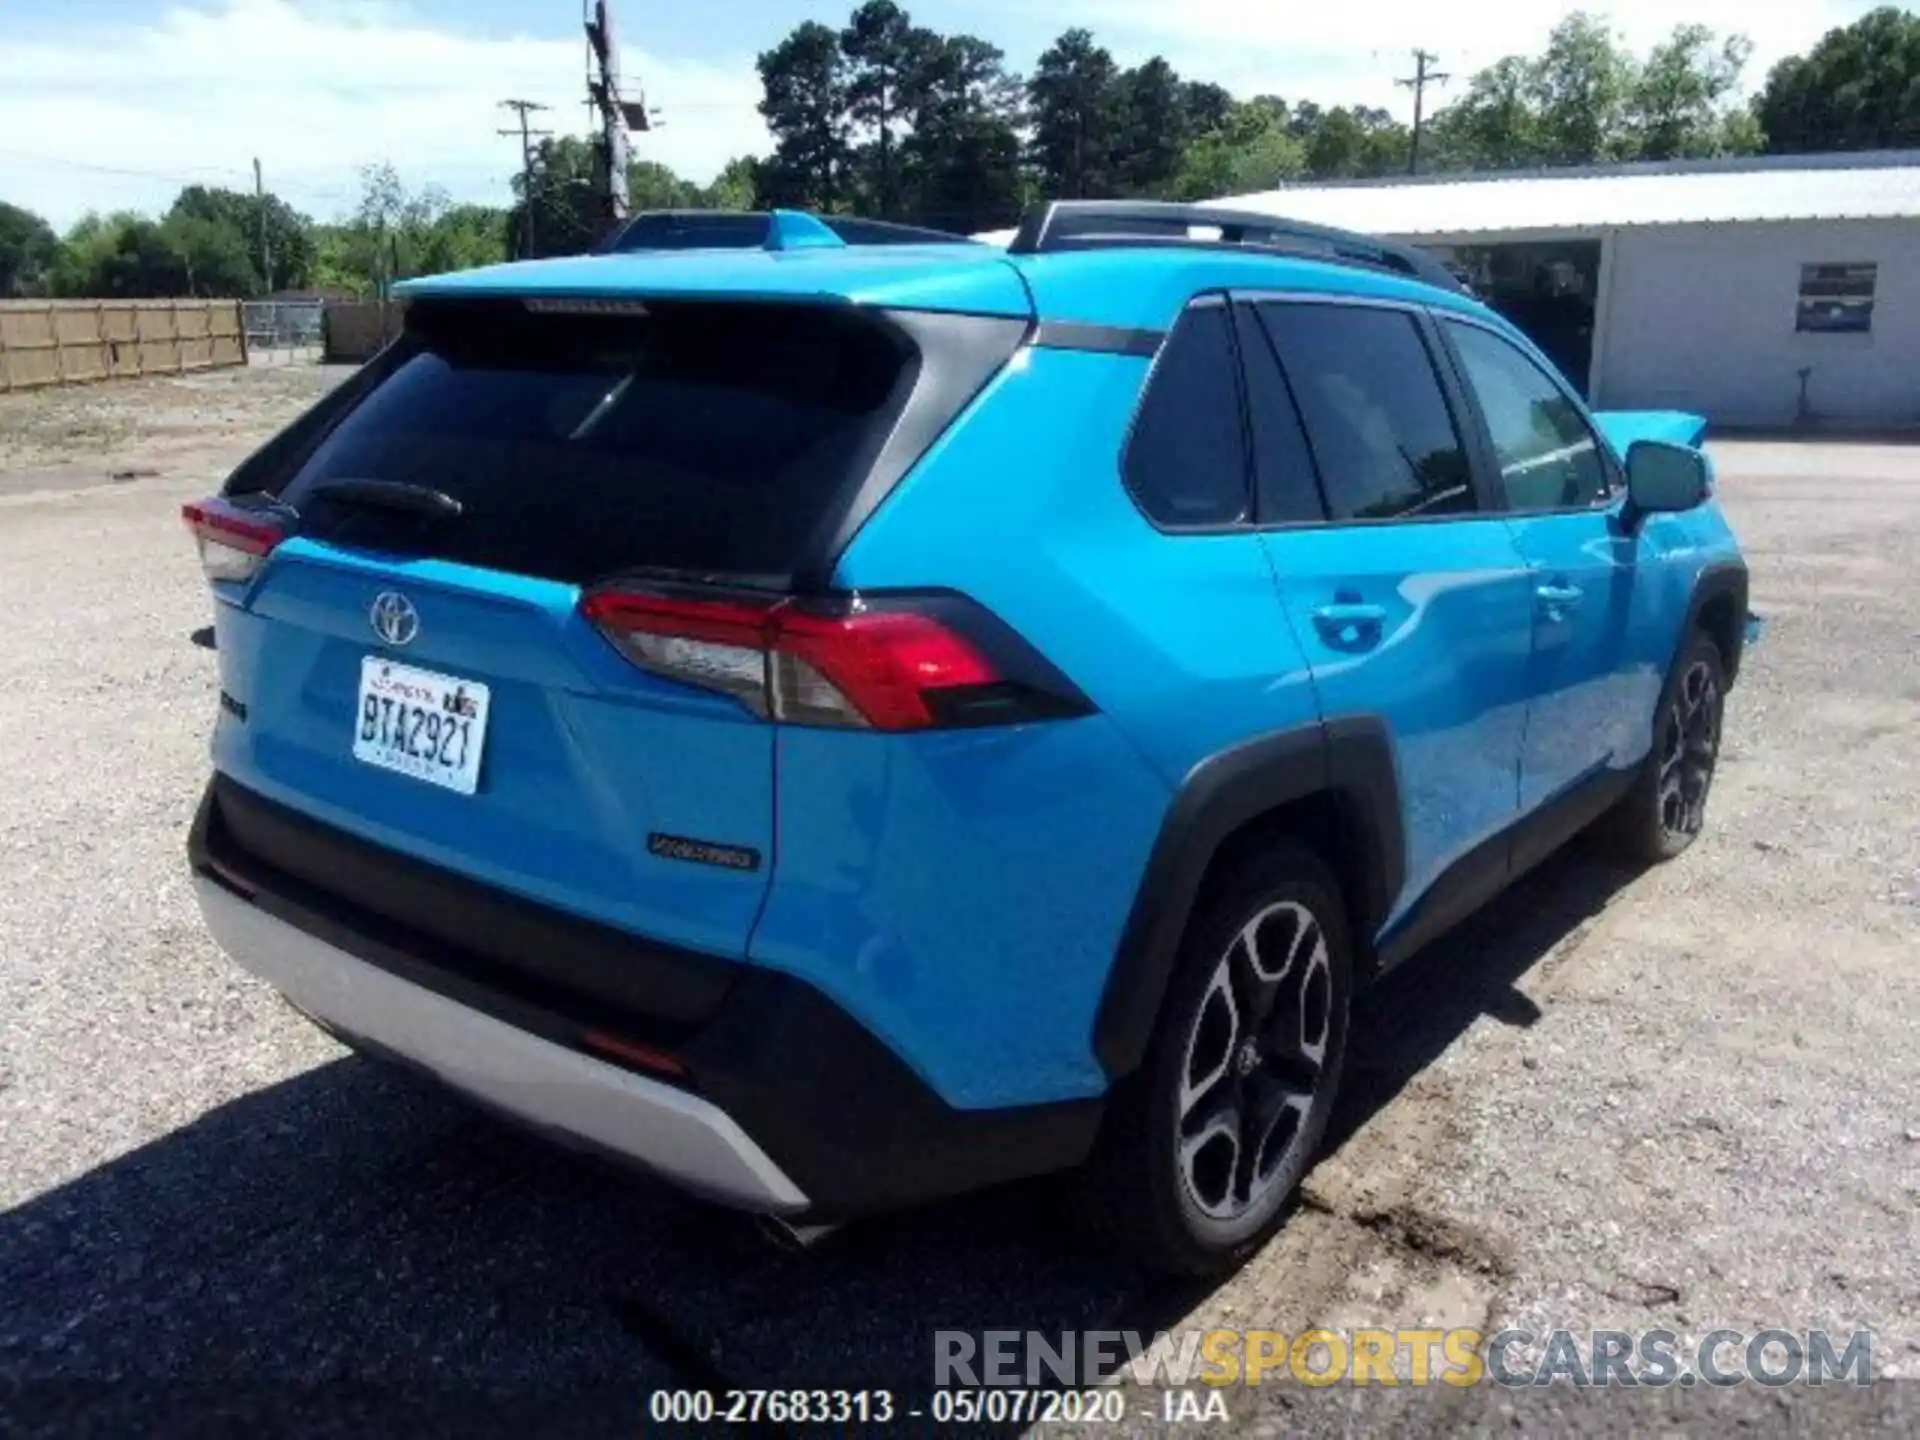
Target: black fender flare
{"type": "Point", "coordinates": [1349, 760]}
{"type": "Point", "coordinates": [1716, 580]}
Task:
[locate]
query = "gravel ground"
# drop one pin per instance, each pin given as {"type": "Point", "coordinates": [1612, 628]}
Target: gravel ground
{"type": "Point", "coordinates": [1687, 1098]}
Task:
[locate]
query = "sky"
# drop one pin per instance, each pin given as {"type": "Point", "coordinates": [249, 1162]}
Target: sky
{"type": "Point", "coordinates": [115, 104]}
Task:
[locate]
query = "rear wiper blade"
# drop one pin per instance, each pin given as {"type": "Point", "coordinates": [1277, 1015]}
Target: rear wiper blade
{"type": "Point", "coordinates": [400, 495]}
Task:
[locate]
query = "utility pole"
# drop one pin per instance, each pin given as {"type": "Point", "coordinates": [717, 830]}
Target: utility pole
{"type": "Point", "coordinates": [260, 213]}
{"type": "Point", "coordinates": [1418, 82]}
{"type": "Point", "coordinates": [527, 137]}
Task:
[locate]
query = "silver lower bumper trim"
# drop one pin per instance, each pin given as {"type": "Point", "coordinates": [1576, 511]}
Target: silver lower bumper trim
{"type": "Point", "coordinates": [685, 1138]}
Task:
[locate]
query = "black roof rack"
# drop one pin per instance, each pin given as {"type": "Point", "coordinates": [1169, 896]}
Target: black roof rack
{"type": "Point", "coordinates": [1099, 224]}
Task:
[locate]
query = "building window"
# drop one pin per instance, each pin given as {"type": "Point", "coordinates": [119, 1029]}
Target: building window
{"type": "Point", "coordinates": [1836, 299]}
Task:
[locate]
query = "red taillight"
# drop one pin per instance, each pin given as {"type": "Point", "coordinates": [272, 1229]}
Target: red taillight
{"type": "Point", "coordinates": [888, 664]}
{"type": "Point", "coordinates": [895, 663]}
{"type": "Point", "coordinates": [233, 542]}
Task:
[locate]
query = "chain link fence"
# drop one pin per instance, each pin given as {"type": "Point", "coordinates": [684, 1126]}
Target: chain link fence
{"type": "Point", "coordinates": [280, 332]}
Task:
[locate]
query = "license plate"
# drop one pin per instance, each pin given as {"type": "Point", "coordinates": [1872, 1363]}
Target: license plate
{"type": "Point", "coordinates": [432, 727]}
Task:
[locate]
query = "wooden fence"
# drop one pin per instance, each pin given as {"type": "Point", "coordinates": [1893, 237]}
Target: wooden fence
{"type": "Point", "coordinates": [62, 342]}
{"type": "Point", "coordinates": [354, 330]}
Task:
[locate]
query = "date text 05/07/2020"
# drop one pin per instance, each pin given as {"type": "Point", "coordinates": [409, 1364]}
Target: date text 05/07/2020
{"type": "Point", "coordinates": [997, 1405]}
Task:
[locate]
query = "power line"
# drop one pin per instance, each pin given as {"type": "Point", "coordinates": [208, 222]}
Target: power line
{"type": "Point", "coordinates": [1418, 82]}
{"type": "Point", "coordinates": [523, 108]}
{"type": "Point", "coordinates": [197, 175]}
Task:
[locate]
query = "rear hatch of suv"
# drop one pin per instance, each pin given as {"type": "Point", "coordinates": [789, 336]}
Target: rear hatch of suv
{"type": "Point", "coordinates": [501, 607]}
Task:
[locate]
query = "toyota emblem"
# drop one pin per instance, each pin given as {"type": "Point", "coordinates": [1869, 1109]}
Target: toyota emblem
{"type": "Point", "coordinates": [393, 617]}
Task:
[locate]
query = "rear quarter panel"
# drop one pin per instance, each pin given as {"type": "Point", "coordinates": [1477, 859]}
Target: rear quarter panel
{"type": "Point", "coordinates": [964, 893]}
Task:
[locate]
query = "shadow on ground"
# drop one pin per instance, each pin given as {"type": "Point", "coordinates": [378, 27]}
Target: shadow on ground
{"type": "Point", "coordinates": [320, 1253]}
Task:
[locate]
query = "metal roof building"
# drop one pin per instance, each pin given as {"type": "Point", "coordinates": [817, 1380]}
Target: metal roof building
{"type": "Point", "coordinates": [1880, 185]}
{"type": "Point", "coordinates": [1757, 291]}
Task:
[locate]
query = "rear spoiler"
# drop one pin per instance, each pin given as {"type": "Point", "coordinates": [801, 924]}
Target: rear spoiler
{"type": "Point", "coordinates": [1675, 427]}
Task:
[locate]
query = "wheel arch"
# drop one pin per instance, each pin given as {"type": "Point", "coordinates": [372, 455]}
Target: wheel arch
{"type": "Point", "coordinates": [1332, 785]}
{"type": "Point", "coordinates": [1718, 606]}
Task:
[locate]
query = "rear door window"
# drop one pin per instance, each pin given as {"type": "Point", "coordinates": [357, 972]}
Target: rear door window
{"type": "Point", "coordinates": [1382, 434]}
{"type": "Point", "coordinates": [1282, 460]}
{"type": "Point", "coordinates": [688, 437]}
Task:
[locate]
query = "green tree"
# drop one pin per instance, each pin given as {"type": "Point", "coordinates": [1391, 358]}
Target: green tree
{"type": "Point", "coordinates": [1207, 106]}
{"type": "Point", "coordinates": [1580, 90]}
{"type": "Point", "coordinates": [1740, 132]}
{"type": "Point", "coordinates": [395, 233]}
{"type": "Point", "coordinates": [215, 255]}
{"type": "Point", "coordinates": [563, 193]}
{"type": "Point", "coordinates": [962, 162]}
{"type": "Point", "coordinates": [462, 238]}
{"type": "Point", "coordinates": [1676, 106]}
{"type": "Point", "coordinates": [653, 186]}
{"type": "Point", "coordinates": [804, 80]}
{"type": "Point", "coordinates": [735, 186]}
{"type": "Point", "coordinates": [119, 256]}
{"type": "Point", "coordinates": [28, 249]}
{"type": "Point", "coordinates": [1251, 149]}
{"type": "Point", "coordinates": [1586, 100]}
{"type": "Point", "coordinates": [1151, 128]}
{"type": "Point", "coordinates": [1348, 141]}
{"type": "Point", "coordinates": [289, 234]}
{"type": "Point", "coordinates": [1857, 89]}
{"type": "Point", "coordinates": [888, 59]}
{"type": "Point", "coordinates": [1494, 125]}
{"type": "Point", "coordinates": [1076, 118]}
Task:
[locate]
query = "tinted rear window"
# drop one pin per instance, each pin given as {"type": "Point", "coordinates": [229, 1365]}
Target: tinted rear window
{"type": "Point", "coordinates": [710, 438]}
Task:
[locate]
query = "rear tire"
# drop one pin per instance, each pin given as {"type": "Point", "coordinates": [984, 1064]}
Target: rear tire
{"type": "Point", "coordinates": [1664, 811]}
{"type": "Point", "coordinates": [1206, 1144]}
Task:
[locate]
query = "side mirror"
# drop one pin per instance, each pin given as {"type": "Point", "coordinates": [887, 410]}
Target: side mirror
{"type": "Point", "coordinates": [1662, 478]}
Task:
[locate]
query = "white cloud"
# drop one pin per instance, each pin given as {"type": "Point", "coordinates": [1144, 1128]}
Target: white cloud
{"type": "Point", "coordinates": [1335, 52]}
{"type": "Point", "coordinates": [316, 90]}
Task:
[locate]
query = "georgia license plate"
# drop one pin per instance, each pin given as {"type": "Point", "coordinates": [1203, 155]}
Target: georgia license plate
{"type": "Point", "coordinates": [432, 727]}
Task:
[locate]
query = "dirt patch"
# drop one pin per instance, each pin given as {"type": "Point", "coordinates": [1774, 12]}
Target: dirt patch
{"type": "Point", "coordinates": [154, 424]}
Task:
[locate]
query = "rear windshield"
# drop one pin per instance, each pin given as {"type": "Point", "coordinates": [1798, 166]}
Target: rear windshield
{"type": "Point", "coordinates": [705, 438]}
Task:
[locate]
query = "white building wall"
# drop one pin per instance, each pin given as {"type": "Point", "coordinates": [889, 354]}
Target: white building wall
{"type": "Point", "coordinates": [1701, 317]}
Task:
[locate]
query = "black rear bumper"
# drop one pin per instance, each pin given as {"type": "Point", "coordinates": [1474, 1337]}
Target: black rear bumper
{"type": "Point", "coordinates": [854, 1126]}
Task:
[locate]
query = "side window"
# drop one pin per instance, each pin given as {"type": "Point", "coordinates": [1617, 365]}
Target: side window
{"type": "Point", "coordinates": [1283, 472]}
{"type": "Point", "coordinates": [1549, 459]}
{"type": "Point", "coordinates": [1375, 414]}
{"type": "Point", "coordinates": [1187, 461]}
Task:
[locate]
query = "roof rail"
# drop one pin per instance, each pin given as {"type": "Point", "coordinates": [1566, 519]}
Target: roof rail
{"type": "Point", "coordinates": [1100, 224]}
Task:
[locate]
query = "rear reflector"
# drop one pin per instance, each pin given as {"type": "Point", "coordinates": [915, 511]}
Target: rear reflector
{"type": "Point", "coordinates": [234, 542]}
{"type": "Point", "coordinates": [631, 1052]}
{"type": "Point", "coordinates": [893, 662]}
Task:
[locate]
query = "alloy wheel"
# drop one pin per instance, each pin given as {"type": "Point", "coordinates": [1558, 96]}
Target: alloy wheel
{"type": "Point", "coordinates": [1256, 1059]}
{"type": "Point", "coordinates": [1690, 742]}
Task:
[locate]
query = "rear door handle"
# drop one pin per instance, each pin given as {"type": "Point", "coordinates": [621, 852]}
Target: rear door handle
{"type": "Point", "coordinates": [1350, 623]}
{"type": "Point", "coordinates": [1338, 615]}
{"type": "Point", "coordinates": [1555, 598]}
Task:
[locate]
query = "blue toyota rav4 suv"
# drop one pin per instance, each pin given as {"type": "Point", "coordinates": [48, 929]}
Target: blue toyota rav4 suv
{"type": "Point", "coordinates": [843, 724]}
